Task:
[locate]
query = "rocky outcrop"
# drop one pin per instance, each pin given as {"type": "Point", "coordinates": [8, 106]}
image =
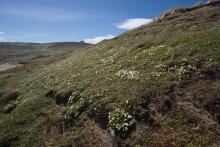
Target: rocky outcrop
{"type": "Point", "coordinates": [185, 9]}
{"type": "Point", "coordinates": [212, 1]}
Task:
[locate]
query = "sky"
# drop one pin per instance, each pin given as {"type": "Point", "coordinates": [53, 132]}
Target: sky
{"type": "Point", "coordinates": [77, 20]}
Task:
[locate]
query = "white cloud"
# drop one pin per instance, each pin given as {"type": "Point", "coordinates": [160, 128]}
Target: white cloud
{"type": "Point", "coordinates": [98, 39]}
{"type": "Point", "coordinates": [133, 23]}
{"type": "Point", "coordinates": [2, 36]}
{"type": "Point", "coordinates": [2, 39]}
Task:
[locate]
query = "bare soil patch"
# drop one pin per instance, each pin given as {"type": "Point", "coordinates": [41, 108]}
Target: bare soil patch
{"type": "Point", "coordinates": [7, 66]}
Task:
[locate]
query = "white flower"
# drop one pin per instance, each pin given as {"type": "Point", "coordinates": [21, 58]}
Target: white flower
{"type": "Point", "coordinates": [128, 74]}
{"type": "Point", "coordinates": [120, 120]}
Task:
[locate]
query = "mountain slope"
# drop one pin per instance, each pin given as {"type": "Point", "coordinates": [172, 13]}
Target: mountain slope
{"type": "Point", "coordinates": [157, 85]}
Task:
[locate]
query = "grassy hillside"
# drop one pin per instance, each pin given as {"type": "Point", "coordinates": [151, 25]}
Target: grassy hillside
{"type": "Point", "coordinates": [157, 85]}
{"type": "Point", "coordinates": [23, 58]}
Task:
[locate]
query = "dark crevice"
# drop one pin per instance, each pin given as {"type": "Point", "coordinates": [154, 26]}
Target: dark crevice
{"type": "Point", "coordinates": [11, 96]}
{"type": "Point", "coordinates": [61, 99]}
{"type": "Point", "coordinates": [211, 74]}
{"type": "Point", "coordinates": [100, 118]}
{"type": "Point", "coordinates": [8, 99]}
{"type": "Point", "coordinates": [213, 107]}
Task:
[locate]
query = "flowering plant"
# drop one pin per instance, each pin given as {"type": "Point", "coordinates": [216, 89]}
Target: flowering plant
{"type": "Point", "coordinates": [76, 109]}
{"type": "Point", "coordinates": [187, 69]}
{"type": "Point", "coordinates": [120, 122]}
{"type": "Point", "coordinates": [128, 74]}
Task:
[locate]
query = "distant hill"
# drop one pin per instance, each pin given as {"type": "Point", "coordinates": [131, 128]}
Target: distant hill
{"type": "Point", "coordinates": [155, 86]}
{"type": "Point", "coordinates": [22, 52]}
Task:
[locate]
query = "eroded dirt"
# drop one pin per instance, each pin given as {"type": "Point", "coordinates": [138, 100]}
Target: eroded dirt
{"type": "Point", "coordinates": [7, 66]}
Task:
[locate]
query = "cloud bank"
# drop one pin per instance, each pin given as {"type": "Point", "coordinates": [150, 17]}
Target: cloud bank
{"type": "Point", "coordinates": [98, 39]}
{"type": "Point", "coordinates": [133, 23]}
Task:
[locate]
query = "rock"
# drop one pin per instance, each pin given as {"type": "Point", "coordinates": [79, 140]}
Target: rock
{"type": "Point", "coordinates": [212, 1]}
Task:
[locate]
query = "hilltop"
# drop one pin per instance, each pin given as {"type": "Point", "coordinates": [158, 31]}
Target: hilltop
{"type": "Point", "coordinates": [157, 85]}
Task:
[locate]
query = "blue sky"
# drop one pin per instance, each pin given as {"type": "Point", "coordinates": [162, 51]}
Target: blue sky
{"type": "Point", "coordinates": [76, 20]}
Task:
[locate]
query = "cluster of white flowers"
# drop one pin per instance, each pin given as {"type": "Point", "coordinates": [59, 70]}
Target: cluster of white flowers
{"type": "Point", "coordinates": [161, 67]}
{"type": "Point", "coordinates": [152, 51]}
{"type": "Point", "coordinates": [110, 59]}
{"type": "Point", "coordinates": [120, 121]}
{"type": "Point", "coordinates": [104, 61]}
{"type": "Point", "coordinates": [186, 69]}
{"type": "Point", "coordinates": [156, 74]}
{"type": "Point", "coordinates": [128, 74]}
{"type": "Point", "coordinates": [75, 110]}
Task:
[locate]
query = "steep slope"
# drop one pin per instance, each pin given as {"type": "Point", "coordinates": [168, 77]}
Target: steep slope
{"type": "Point", "coordinates": [157, 85]}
